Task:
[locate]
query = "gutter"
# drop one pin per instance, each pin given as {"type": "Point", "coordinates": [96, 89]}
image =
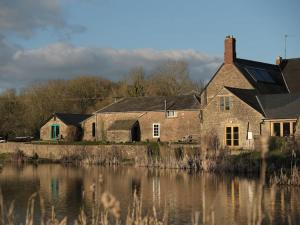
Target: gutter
{"type": "Point", "coordinates": [260, 105]}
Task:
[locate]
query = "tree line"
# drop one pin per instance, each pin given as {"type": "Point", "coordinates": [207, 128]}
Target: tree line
{"type": "Point", "coordinates": [23, 112]}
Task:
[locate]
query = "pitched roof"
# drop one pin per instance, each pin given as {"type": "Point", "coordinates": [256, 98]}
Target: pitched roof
{"type": "Point", "coordinates": [122, 125]}
{"type": "Point", "coordinates": [71, 118]}
{"type": "Point", "coordinates": [268, 79]}
{"type": "Point", "coordinates": [291, 72]}
{"type": "Point", "coordinates": [144, 104]}
{"type": "Point", "coordinates": [248, 96]}
{"type": "Point", "coordinates": [280, 106]}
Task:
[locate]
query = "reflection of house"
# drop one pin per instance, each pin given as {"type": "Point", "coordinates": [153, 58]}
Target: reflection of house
{"type": "Point", "coordinates": [247, 99]}
{"type": "Point", "coordinates": [62, 126]}
{"type": "Point", "coordinates": [146, 118]}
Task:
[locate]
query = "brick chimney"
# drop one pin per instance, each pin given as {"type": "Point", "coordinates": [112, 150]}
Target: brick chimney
{"type": "Point", "coordinates": [229, 53]}
{"type": "Point", "coordinates": [278, 60]}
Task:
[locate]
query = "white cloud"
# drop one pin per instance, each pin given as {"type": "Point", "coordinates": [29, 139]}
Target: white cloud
{"type": "Point", "coordinates": [20, 67]}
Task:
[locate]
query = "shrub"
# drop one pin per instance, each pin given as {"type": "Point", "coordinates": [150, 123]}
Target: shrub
{"type": "Point", "coordinates": [153, 150]}
{"type": "Point", "coordinates": [178, 153]}
{"type": "Point", "coordinates": [276, 143]}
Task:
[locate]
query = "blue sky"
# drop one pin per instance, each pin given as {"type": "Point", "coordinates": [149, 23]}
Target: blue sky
{"type": "Point", "coordinates": [108, 37]}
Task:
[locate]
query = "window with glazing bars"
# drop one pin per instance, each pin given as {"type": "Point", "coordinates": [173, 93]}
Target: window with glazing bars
{"type": "Point", "coordinates": [225, 103]}
{"type": "Point", "coordinates": [232, 136]}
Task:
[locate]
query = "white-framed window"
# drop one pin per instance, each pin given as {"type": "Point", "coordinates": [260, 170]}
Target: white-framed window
{"type": "Point", "coordinates": [156, 130]}
{"type": "Point", "coordinates": [225, 103]}
{"type": "Point", "coordinates": [171, 114]}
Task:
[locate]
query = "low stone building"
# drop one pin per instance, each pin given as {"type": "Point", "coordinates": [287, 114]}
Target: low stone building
{"type": "Point", "coordinates": [246, 100]}
{"type": "Point", "coordinates": [63, 126]}
{"type": "Point", "coordinates": [147, 118]}
{"type": "Point", "coordinates": [89, 128]}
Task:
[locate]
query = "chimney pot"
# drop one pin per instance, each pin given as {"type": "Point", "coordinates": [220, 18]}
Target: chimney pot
{"type": "Point", "coordinates": [278, 60]}
{"type": "Point", "coordinates": [229, 53]}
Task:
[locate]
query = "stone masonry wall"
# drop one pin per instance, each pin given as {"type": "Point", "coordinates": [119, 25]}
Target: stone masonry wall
{"type": "Point", "coordinates": [136, 153]}
{"type": "Point", "coordinates": [228, 75]}
{"type": "Point", "coordinates": [87, 129]}
{"type": "Point", "coordinates": [171, 129]}
{"type": "Point", "coordinates": [119, 136]}
{"type": "Point", "coordinates": [215, 120]}
{"type": "Point", "coordinates": [45, 131]}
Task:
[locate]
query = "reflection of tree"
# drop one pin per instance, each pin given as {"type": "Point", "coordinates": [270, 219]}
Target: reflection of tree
{"type": "Point", "coordinates": [136, 186]}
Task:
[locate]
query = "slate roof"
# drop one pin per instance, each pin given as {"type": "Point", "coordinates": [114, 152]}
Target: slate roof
{"type": "Point", "coordinates": [71, 118]}
{"type": "Point", "coordinates": [146, 104]}
{"type": "Point", "coordinates": [274, 71]}
{"type": "Point", "coordinates": [291, 72]}
{"type": "Point", "coordinates": [248, 96]}
{"type": "Point", "coordinates": [280, 106]}
{"type": "Point", "coordinates": [273, 106]}
{"type": "Point", "coordinates": [122, 125]}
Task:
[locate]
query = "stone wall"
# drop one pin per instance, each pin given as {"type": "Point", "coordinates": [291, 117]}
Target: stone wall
{"type": "Point", "coordinates": [57, 152]}
{"type": "Point", "coordinates": [45, 131]}
{"type": "Point", "coordinates": [119, 136]}
{"type": "Point", "coordinates": [241, 114]}
{"type": "Point", "coordinates": [171, 129]}
{"type": "Point", "coordinates": [100, 153]}
{"type": "Point", "coordinates": [87, 128]}
{"type": "Point", "coordinates": [228, 75]}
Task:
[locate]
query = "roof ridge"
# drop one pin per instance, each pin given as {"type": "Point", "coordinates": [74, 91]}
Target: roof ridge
{"type": "Point", "coordinates": [250, 60]}
{"type": "Point", "coordinates": [72, 113]}
{"type": "Point", "coordinates": [159, 96]}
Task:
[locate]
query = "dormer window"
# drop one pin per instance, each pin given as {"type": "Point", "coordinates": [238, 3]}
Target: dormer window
{"type": "Point", "coordinates": [225, 103]}
{"type": "Point", "coordinates": [171, 114]}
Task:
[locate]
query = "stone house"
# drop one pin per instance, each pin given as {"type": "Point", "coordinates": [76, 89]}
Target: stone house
{"type": "Point", "coordinates": [146, 118]}
{"type": "Point", "coordinates": [246, 100]}
{"type": "Point", "coordinates": [63, 126]}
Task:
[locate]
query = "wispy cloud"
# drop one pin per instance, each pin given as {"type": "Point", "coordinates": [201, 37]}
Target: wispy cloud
{"type": "Point", "coordinates": [26, 16]}
{"type": "Point", "coordinates": [20, 67]}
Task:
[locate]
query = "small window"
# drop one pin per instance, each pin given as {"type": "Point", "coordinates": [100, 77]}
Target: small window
{"type": "Point", "coordinates": [228, 136]}
{"type": "Point", "coordinates": [232, 136]}
{"type": "Point", "coordinates": [94, 129]}
{"type": "Point", "coordinates": [286, 129]}
{"type": "Point", "coordinates": [225, 103]}
{"type": "Point", "coordinates": [276, 129]}
{"type": "Point", "coordinates": [171, 114]}
{"type": "Point", "coordinates": [235, 136]}
{"type": "Point", "coordinates": [201, 116]}
{"type": "Point", "coordinates": [156, 130]}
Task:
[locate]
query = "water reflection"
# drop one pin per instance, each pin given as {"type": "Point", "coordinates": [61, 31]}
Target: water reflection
{"type": "Point", "coordinates": [217, 199]}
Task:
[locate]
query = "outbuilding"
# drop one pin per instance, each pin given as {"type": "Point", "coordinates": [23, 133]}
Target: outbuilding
{"type": "Point", "coordinates": [63, 126]}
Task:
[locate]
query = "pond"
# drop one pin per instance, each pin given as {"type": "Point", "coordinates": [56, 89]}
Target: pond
{"type": "Point", "coordinates": [217, 199]}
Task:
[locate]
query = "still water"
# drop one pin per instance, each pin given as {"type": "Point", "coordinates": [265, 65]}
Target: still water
{"type": "Point", "coordinates": [217, 199]}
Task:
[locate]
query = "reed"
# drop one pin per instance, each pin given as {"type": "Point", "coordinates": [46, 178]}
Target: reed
{"type": "Point", "coordinates": [105, 211]}
{"type": "Point", "coordinates": [285, 178]}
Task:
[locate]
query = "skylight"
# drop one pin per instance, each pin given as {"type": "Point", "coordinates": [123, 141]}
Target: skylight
{"type": "Point", "coordinates": [260, 75]}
